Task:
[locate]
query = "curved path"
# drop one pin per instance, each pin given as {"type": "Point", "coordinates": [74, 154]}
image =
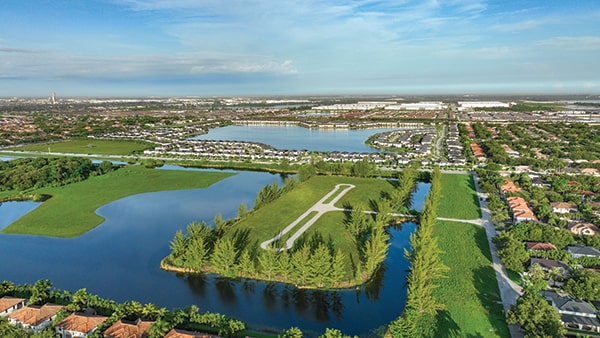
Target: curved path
{"type": "Point", "coordinates": [320, 208]}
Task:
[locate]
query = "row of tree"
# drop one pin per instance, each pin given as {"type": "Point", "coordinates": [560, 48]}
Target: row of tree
{"type": "Point", "coordinates": [419, 316]}
{"type": "Point", "coordinates": [28, 173]}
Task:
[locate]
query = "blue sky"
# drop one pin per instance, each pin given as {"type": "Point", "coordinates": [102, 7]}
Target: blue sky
{"type": "Point", "coordinates": [298, 47]}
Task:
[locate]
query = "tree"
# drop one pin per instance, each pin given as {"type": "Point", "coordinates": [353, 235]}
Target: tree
{"type": "Point", "coordinates": [196, 254]}
{"type": "Point", "coordinates": [299, 259]}
{"type": "Point", "coordinates": [224, 255]}
{"type": "Point", "coordinates": [178, 245]}
{"type": "Point", "coordinates": [333, 333]}
{"type": "Point", "coordinates": [536, 317]}
{"type": "Point", "coordinates": [319, 266]}
{"type": "Point", "coordinates": [292, 332]}
{"type": "Point", "coordinates": [359, 223]}
{"type": "Point", "coordinates": [242, 210]}
{"type": "Point", "coordinates": [267, 261]}
{"type": "Point", "coordinates": [511, 251]}
{"type": "Point", "coordinates": [584, 284]}
{"type": "Point", "coordinates": [40, 292]}
{"type": "Point", "coordinates": [375, 250]}
{"type": "Point", "coordinates": [246, 266]}
{"type": "Point", "coordinates": [338, 267]}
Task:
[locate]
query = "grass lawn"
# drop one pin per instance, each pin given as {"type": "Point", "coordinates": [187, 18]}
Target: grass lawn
{"type": "Point", "coordinates": [470, 290]}
{"type": "Point", "coordinates": [71, 210]}
{"type": "Point", "coordinates": [459, 198]}
{"type": "Point", "coordinates": [266, 222]}
{"type": "Point", "coordinates": [90, 146]}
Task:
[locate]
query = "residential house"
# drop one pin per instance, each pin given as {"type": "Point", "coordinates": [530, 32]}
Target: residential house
{"type": "Point", "coordinates": [78, 325]}
{"type": "Point", "coordinates": [563, 207]}
{"type": "Point", "coordinates": [583, 229]}
{"type": "Point", "coordinates": [176, 333]}
{"type": "Point", "coordinates": [589, 171]}
{"type": "Point", "coordinates": [583, 251]}
{"type": "Point", "coordinates": [33, 317]}
{"type": "Point", "coordinates": [508, 186]}
{"type": "Point", "coordinates": [574, 313]}
{"type": "Point", "coordinates": [520, 210]}
{"type": "Point", "coordinates": [9, 305]}
{"type": "Point", "coordinates": [549, 264]}
{"type": "Point", "coordinates": [126, 329]}
{"type": "Point", "coordinates": [540, 246]}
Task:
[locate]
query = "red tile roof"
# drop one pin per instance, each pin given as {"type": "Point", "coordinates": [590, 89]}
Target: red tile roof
{"type": "Point", "coordinates": [123, 329]}
{"type": "Point", "coordinates": [7, 302]}
{"type": "Point", "coordinates": [81, 322]}
{"type": "Point", "coordinates": [509, 186]}
{"type": "Point", "coordinates": [540, 246]}
{"type": "Point", "coordinates": [34, 315]}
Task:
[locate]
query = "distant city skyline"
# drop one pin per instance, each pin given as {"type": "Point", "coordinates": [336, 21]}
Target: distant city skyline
{"type": "Point", "coordinates": [267, 47]}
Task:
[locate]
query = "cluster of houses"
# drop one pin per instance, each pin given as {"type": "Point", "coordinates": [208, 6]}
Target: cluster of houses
{"type": "Point", "coordinates": [34, 318]}
{"type": "Point", "coordinates": [574, 313]}
{"type": "Point", "coordinates": [176, 142]}
{"type": "Point", "coordinates": [455, 148]}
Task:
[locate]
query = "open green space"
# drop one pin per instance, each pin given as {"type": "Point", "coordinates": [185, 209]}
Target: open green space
{"type": "Point", "coordinates": [90, 146]}
{"type": "Point", "coordinates": [470, 291]}
{"type": "Point", "coordinates": [71, 210]}
{"type": "Point", "coordinates": [459, 199]}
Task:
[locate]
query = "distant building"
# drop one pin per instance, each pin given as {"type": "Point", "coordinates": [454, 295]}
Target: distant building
{"type": "Point", "coordinates": [418, 106]}
{"type": "Point", "coordinates": [466, 105]}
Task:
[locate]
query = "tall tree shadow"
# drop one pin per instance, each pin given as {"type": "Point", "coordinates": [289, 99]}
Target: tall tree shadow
{"type": "Point", "coordinates": [446, 326]}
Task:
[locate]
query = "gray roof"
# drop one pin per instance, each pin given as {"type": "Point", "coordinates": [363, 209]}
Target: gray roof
{"type": "Point", "coordinates": [583, 251]}
{"type": "Point", "coordinates": [567, 318]}
{"type": "Point", "coordinates": [568, 305]}
{"type": "Point", "coordinates": [548, 263]}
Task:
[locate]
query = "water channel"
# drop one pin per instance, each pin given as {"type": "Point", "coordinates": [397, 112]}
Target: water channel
{"type": "Point", "coordinates": [120, 260]}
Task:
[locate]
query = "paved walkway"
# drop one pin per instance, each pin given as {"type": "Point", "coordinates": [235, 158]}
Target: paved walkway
{"type": "Point", "coordinates": [509, 290]}
{"type": "Point", "coordinates": [320, 208]}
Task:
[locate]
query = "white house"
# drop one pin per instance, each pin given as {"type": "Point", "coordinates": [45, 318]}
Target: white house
{"type": "Point", "coordinates": [9, 305]}
{"type": "Point", "coordinates": [33, 317]}
{"type": "Point", "coordinates": [78, 325]}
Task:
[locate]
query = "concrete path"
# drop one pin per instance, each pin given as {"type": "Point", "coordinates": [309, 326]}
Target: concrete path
{"type": "Point", "coordinates": [320, 208]}
{"type": "Point", "coordinates": [509, 290]}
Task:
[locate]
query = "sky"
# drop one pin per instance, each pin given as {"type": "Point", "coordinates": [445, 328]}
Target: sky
{"type": "Point", "coordinates": [298, 47]}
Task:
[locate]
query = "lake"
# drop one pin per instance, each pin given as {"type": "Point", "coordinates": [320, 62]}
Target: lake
{"type": "Point", "coordinates": [120, 260]}
{"type": "Point", "coordinates": [298, 138]}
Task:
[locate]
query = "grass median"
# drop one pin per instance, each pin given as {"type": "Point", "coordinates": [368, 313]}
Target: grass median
{"type": "Point", "coordinates": [459, 198]}
{"type": "Point", "coordinates": [470, 291]}
{"type": "Point", "coordinates": [71, 210]}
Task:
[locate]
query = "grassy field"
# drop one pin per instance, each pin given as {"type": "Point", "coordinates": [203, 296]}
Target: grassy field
{"type": "Point", "coordinates": [459, 198]}
{"type": "Point", "coordinates": [71, 210]}
{"type": "Point", "coordinates": [272, 218]}
{"type": "Point", "coordinates": [90, 146]}
{"type": "Point", "coordinates": [470, 292]}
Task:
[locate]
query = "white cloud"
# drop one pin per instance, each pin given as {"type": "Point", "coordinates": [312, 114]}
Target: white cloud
{"type": "Point", "coordinates": [580, 43]}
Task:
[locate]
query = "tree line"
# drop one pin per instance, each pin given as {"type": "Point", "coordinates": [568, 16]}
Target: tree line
{"type": "Point", "coordinates": [419, 316]}
{"type": "Point", "coordinates": [34, 173]}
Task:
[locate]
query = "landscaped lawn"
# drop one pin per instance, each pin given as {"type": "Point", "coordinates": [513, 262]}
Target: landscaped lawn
{"type": "Point", "coordinates": [71, 210]}
{"type": "Point", "coordinates": [470, 291]}
{"type": "Point", "coordinates": [90, 146]}
{"type": "Point", "coordinates": [459, 198]}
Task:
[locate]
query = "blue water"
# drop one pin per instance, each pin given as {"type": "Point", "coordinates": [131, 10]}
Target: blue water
{"type": "Point", "coordinates": [298, 138]}
{"type": "Point", "coordinates": [13, 210]}
{"type": "Point", "coordinates": [120, 260]}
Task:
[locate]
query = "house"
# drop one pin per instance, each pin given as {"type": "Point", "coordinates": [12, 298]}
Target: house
{"type": "Point", "coordinates": [549, 264]}
{"type": "Point", "coordinates": [509, 186]}
{"type": "Point", "coordinates": [126, 329]}
{"type": "Point", "coordinates": [520, 210]}
{"type": "Point", "coordinates": [583, 229]}
{"type": "Point", "coordinates": [583, 251]}
{"type": "Point", "coordinates": [589, 171]}
{"type": "Point", "coordinates": [563, 207]}
{"type": "Point", "coordinates": [537, 181]}
{"type": "Point", "coordinates": [9, 304]}
{"type": "Point", "coordinates": [78, 325]}
{"type": "Point", "coordinates": [35, 318]}
{"type": "Point", "coordinates": [540, 246]}
{"type": "Point", "coordinates": [176, 333]}
{"type": "Point", "coordinates": [574, 313]}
